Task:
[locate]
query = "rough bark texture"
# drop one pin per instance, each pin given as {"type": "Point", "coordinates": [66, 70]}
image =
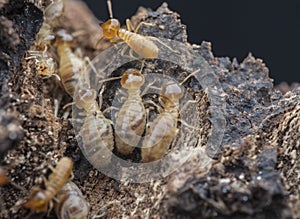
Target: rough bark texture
{"type": "Point", "coordinates": [257, 175]}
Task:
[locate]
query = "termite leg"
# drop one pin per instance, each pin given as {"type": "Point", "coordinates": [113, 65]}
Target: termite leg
{"type": "Point", "coordinates": [68, 104]}
{"type": "Point", "coordinates": [148, 123]}
{"type": "Point", "coordinates": [55, 199]}
{"type": "Point", "coordinates": [136, 29]}
{"type": "Point", "coordinates": [186, 104]}
{"type": "Point", "coordinates": [109, 109]}
{"type": "Point", "coordinates": [148, 87]}
{"type": "Point", "coordinates": [100, 98]}
{"type": "Point", "coordinates": [45, 180]}
{"type": "Point", "coordinates": [159, 108]}
{"type": "Point", "coordinates": [187, 125]}
{"type": "Point", "coordinates": [51, 168]}
{"type": "Point", "coordinates": [89, 62]}
{"type": "Point", "coordinates": [18, 187]}
{"type": "Point", "coordinates": [109, 79]}
{"type": "Point", "coordinates": [123, 93]}
{"type": "Point", "coordinates": [50, 208]}
{"type": "Point", "coordinates": [189, 76]}
{"type": "Point", "coordinates": [143, 23]}
{"type": "Point", "coordinates": [31, 57]}
{"type": "Point", "coordinates": [49, 76]}
{"type": "Point", "coordinates": [130, 55]}
{"type": "Point", "coordinates": [66, 115]}
{"type": "Point", "coordinates": [56, 107]}
{"type": "Point", "coordinates": [129, 25]}
{"type": "Point", "coordinates": [71, 176]}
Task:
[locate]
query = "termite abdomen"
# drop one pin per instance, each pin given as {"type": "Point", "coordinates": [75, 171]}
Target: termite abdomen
{"type": "Point", "coordinates": [70, 203]}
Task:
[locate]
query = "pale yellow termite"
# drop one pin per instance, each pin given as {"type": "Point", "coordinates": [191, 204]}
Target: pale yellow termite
{"type": "Point", "coordinates": [142, 45]}
{"type": "Point", "coordinates": [70, 203]}
{"type": "Point", "coordinates": [164, 127]}
{"type": "Point", "coordinates": [131, 118]}
{"type": "Point", "coordinates": [44, 62]}
{"type": "Point", "coordinates": [40, 199]}
{"type": "Point", "coordinates": [96, 131]}
{"type": "Point", "coordinates": [70, 65]}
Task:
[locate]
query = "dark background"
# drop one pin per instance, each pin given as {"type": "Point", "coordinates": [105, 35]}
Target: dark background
{"type": "Point", "coordinates": [270, 30]}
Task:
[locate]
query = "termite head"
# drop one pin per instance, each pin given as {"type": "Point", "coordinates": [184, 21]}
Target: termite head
{"type": "Point", "coordinates": [37, 201]}
{"type": "Point", "coordinates": [110, 28]}
{"type": "Point", "coordinates": [171, 92]}
{"type": "Point", "coordinates": [46, 66]}
{"type": "Point", "coordinates": [132, 79]}
{"type": "Point", "coordinates": [85, 98]}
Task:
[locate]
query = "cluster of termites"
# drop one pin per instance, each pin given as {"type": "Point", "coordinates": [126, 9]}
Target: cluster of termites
{"type": "Point", "coordinates": [99, 134]}
{"type": "Point", "coordinates": [58, 192]}
{"type": "Point", "coordinates": [48, 40]}
{"type": "Point", "coordinates": [44, 60]}
{"type": "Point", "coordinates": [54, 47]}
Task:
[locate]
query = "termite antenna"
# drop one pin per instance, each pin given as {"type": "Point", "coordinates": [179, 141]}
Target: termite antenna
{"type": "Point", "coordinates": [109, 6]}
{"type": "Point", "coordinates": [189, 76]}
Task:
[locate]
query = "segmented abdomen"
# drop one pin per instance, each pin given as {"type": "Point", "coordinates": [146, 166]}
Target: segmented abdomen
{"type": "Point", "coordinates": [140, 44]}
{"type": "Point", "coordinates": [159, 137]}
{"type": "Point", "coordinates": [71, 203]}
{"type": "Point", "coordinates": [59, 177]}
{"type": "Point", "coordinates": [130, 125]}
{"type": "Point", "coordinates": [97, 139]}
{"type": "Point", "coordinates": [70, 67]}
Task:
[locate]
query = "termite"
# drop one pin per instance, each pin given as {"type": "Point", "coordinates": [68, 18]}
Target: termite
{"type": "Point", "coordinates": [41, 200]}
{"type": "Point", "coordinates": [96, 131]}
{"type": "Point", "coordinates": [54, 11]}
{"type": "Point", "coordinates": [70, 203]}
{"type": "Point", "coordinates": [164, 127]}
{"type": "Point", "coordinates": [142, 45]}
{"type": "Point", "coordinates": [70, 65]}
{"type": "Point", "coordinates": [131, 118]}
{"type": "Point", "coordinates": [45, 64]}
{"type": "Point", "coordinates": [51, 15]}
